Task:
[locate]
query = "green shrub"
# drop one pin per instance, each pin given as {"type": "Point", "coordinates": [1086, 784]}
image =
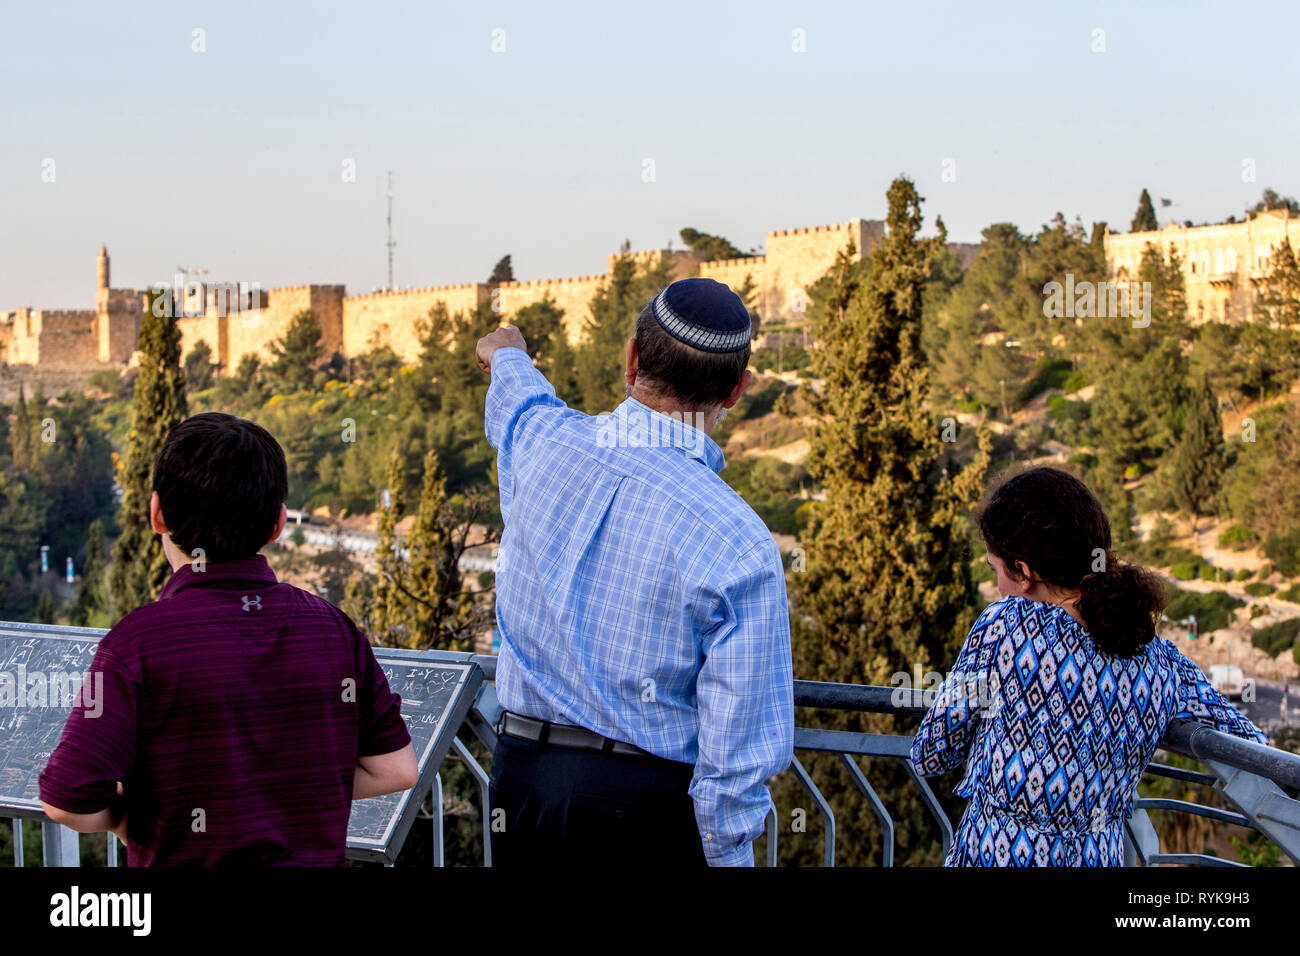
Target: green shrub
{"type": "Point", "coordinates": [1212, 610]}
{"type": "Point", "coordinates": [1265, 570]}
{"type": "Point", "coordinates": [1133, 471]}
{"type": "Point", "coordinates": [1259, 589]}
{"type": "Point", "coordinates": [1245, 574]}
{"type": "Point", "coordinates": [1183, 570]}
{"type": "Point", "coordinates": [1284, 551]}
{"type": "Point", "coordinates": [1257, 610]}
{"type": "Point", "coordinates": [1291, 594]}
{"type": "Point", "coordinates": [1237, 537]}
{"type": "Point", "coordinates": [1276, 638]}
{"type": "Point", "coordinates": [1073, 382]}
{"type": "Point", "coordinates": [1057, 408]}
{"type": "Point", "coordinates": [1209, 572]}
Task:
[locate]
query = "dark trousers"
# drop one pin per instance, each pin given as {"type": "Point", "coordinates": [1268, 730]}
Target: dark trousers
{"type": "Point", "coordinates": [576, 808]}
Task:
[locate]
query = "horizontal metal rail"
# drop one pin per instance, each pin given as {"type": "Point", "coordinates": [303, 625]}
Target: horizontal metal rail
{"type": "Point", "coordinates": [1248, 775]}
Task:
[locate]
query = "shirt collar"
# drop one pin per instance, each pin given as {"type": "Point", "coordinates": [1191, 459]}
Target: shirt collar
{"type": "Point", "coordinates": [635, 424]}
{"type": "Point", "coordinates": [254, 569]}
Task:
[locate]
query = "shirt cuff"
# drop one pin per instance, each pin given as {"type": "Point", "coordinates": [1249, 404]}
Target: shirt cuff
{"type": "Point", "coordinates": [387, 742]}
{"type": "Point", "coordinates": [508, 348]}
{"type": "Point", "coordinates": [90, 798]}
{"type": "Point", "coordinates": [740, 856]}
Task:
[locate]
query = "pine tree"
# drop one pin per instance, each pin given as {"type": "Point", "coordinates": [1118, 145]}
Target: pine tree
{"type": "Point", "coordinates": [1268, 341]}
{"type": "Point", "coordinates": [199, 371]}
{"type": "Point", "coordinates": [709, 247]}
{"type": "Point", "coordinates": [139, 568]}
{"type": "Point", "coordinates": [748, 292]}
{"type": "Point", "coordinates": [503, 271]}
{"type": "Point", "coordinates": [1141, 372]}
{"type": "Point", "coordinates": [1200, 457]}
{"type": "Point", "coordinates": [1144, 220]}
{"type": "Point", "coordinates": [599, 360]}
{"type": "Point", "coordinates": [887, 586]}
{"type": "Point", "coordinates": [543, 326]}
{"type": "Point", "coordinates": [417, 599]}
{"type": "Point", "coordinates": [295, 355]}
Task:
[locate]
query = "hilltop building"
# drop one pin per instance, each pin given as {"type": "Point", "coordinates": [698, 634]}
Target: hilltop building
{"type": "Point", "coordinates": [1224, 265]}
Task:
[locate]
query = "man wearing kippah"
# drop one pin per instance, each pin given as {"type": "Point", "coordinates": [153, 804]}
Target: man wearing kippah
{"type": "Point", "coordinates": [645, 640]}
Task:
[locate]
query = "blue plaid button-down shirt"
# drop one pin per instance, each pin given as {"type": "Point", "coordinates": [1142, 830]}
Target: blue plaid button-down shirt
{"type": "Point", "coordinates": [640, 597]}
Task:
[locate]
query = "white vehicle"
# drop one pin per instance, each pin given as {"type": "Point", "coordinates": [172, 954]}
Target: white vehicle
{"type": "Point", "coordinates": [1227, 680]}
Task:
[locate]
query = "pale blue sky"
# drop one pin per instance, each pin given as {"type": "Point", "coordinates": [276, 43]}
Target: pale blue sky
{"type": "Point", "coordinates": [231, 159]}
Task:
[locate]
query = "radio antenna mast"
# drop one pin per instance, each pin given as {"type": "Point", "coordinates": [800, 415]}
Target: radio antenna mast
{"type": "Point", "coordinates": [391, 245]}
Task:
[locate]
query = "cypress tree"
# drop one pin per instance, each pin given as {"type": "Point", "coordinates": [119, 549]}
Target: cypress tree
{"type": "Point", "coordinates": [1200, 456]}
{"type": "Point", "coordinates": [887, 587]}
{"type": "Point", "coordinates": [20, 439]}
{"type": "Point", "coordinates": [139, 568]}
{"type": "Point", "coordinates": [45, 608]}
{"type": "Point", "coordinates": [1144, 220]}
{"type": "Point", "coordinates": [386, 620]}
{"type": "Point", "coordinates": [442, 612]}
{"type": "Point", "coordinates": [416, 600]}
{"type": "Point", "coordinates": [88, 609]}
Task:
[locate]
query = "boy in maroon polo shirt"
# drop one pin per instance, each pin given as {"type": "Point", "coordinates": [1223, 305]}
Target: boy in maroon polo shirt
{"type": "Point", "coordinates": [240, 716]}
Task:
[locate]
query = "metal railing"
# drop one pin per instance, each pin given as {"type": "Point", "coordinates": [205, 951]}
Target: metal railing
{"type": "Point", "coordinates": [1248, 776]}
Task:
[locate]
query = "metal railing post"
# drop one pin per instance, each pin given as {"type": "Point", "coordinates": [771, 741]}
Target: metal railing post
{"type": "Point", "coordinates": [483, 788]}
{"type": "Point", "coordinates": [59, 845]}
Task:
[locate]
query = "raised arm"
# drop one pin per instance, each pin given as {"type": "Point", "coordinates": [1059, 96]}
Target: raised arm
{"type": "Point", "coordinates": [745, 695]}
{"type": "Point", "coordinates": [517, 391]}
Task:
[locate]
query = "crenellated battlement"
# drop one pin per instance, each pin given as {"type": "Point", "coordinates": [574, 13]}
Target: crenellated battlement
{"type": "Point", "coordinates": [816, 230]}
{"type": "Point", "coordinates": [745, 262]}
{"type": "Point", "coordinates": [306, 288]}
{"type": "Point", "coordinates": [419, 291]}
{"type": "Point", "coordinates": [394, 318]}
{"type": "Point", "coordinates": [540, 283]}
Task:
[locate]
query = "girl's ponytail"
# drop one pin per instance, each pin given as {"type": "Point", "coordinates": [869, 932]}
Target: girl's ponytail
{"type": "Point", "coordinates": [1121, 605]}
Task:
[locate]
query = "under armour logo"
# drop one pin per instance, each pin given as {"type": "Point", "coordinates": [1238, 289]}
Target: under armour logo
{"type": "Point", "coordinates": [253, 603]}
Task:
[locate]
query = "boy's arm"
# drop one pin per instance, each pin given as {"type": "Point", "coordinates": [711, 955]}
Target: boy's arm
{"type": "Point", "coordinates": [385, 773]}
{"type": "Point", "coordinates": [385, 755]}
{"type": "Point", "coordinates": [81, 785]}
{"type": "Point", "coordinates": [104, 820]}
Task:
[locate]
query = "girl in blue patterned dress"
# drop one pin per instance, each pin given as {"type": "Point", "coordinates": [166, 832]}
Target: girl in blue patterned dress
{"type": "Point", "coordinates": [1062, 691]}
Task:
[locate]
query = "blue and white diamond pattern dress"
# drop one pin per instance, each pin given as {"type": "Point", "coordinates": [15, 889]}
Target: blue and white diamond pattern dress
{"type": "Point", "coordinates": [1054, 756]}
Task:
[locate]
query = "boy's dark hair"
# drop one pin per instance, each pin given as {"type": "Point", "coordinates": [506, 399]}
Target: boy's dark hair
{"type": "Point", "coordinates": [1052, 521]}
{"type": "Point", "coordinates": [691, 376]}
{"type": "Point", "coordinates": [221, 481]}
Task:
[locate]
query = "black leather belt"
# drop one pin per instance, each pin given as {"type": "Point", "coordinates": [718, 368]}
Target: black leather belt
{"type": "Point", "coordinates": [565, 736]}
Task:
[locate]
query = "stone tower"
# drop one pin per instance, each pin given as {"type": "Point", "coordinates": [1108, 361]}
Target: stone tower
{"type": "Point", "coordinates": [117, 315]}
